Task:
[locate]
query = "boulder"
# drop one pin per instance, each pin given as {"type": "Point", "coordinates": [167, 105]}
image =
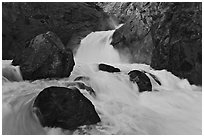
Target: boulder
{"type": "Point", "coordinates": [165, 35]}
{"type": "Point", "coordinates": [177, 39]}
{"type": "Point", "coordinates": [133, 39]}
{"type": "Point", "coordinates": [71, 21]}
{"type": "Point", "coordinates": [141, 79]}
{"type": "Point", "coordinates": [108, 68]}
{"type": "Point", "coordinates": [65, 108]}
{"type": "Point", "coordinates": [45, 57]}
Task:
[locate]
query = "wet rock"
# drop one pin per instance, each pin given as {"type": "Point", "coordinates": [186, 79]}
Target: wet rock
{"type": "Point", "coordinates": [153, 76]}
{"type": "Point", "coordinates": [166, 35]}
{"type": "Point", "coordinates": [64, 107]}
{"type": "Point", "coordinates": [81, 85]}
{"type": "Point", "coordinates": [141, 79]}
{"type": "Point", "coordinates": [83, 82]}
{"type": "Point", "coordinates": [133, 39]}
{"type": "Point", "coordinates": [82, 78]}
{"type": "Point", "coordinates": [45, 57]}
{"type": "Point", "coordinates": [71, 21]}
{"type": "Point", "coordinates": [177, 40]}
{"type": "Point", "coordinates": [108, 68]}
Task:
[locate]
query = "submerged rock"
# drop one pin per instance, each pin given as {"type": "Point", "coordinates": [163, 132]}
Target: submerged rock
{"type": "Point", "coordinates": [82, 78]}
{"type": "Point", "coordinates": [141, 79]}
{"type": "Point", "coordinates": [66, 108]}
{"type": "Point", "coordinates": [45, 57]}
{"type": "Point", "coordinates": [81, 85]}
{"type": "Point", "coordinates": [154, 77]}
{"type": "Point", "coordinates": [108, 68]}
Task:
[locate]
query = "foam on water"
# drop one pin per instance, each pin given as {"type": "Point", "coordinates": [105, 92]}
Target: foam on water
{"type": "Point", "coordinates": [173, 108]}
{"type": "Point", "coordinates": [96, 48]}
{"type": "Point", "coordinates": [10, 72]}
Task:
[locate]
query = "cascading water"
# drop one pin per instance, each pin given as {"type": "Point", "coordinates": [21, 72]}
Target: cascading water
{"type": "Point", "coordinates": [174, 107]}
{"type": "Point", "coordinates": [96, 48]}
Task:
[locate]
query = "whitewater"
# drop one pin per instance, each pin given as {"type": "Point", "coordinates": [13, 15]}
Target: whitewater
{"type": "Point", "coordinates": [174, 107]}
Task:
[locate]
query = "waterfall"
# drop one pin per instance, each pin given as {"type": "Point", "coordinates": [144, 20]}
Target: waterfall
{"type": "Point", "coordinates": [174, 107]}
{"type": "Point", "coordinates": [96, 48]}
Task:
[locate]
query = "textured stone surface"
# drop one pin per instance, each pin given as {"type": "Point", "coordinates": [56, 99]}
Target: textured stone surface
{"type": "Point", "coordinates": [45, 57]}
{"type": "Point", "coordinates": [141, 79]}
{"type": "Point", "coordinates": [71, 21]}
{"type": "Point", "coordinates": [135, 40]}
{"type": "Point", "coordinates": [177, 41]}
{"type": "Point", "coordinates": [121, 10]}
{"type": "Point", "coordinates": [64, 107]}
{"type": "Point", "coordinates": [164, 35]}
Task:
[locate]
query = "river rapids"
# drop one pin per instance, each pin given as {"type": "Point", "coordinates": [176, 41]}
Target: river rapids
{"type": "Point", "coordinates": [174, 107]}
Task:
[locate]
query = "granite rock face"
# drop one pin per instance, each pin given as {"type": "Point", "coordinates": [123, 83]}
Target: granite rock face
{"type": "Point", "coordinates": [164, 35]}
{"type": "Point", "coordinates": [177, 39]}
{"type": "Point", "coordinates": [22, 21]}
{"type": "Point", "coordinates": [134, 40]}
{"type": "Point", "coordinates": [121, 10]}
{"type": "Point", "coordinates": [45, 57]}
{"type": "Point", "coordinates": [66, 108]}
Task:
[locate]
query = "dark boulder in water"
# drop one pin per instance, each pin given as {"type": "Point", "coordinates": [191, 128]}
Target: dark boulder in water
{"type": "Point", "coordinates": [45, 57]}
{"type": "Point", "coordinates": [108, 68]}
{"type": "Point", "coordinates": [141, 79]}
{"type": "Point", "coordinates": [66, 108]}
